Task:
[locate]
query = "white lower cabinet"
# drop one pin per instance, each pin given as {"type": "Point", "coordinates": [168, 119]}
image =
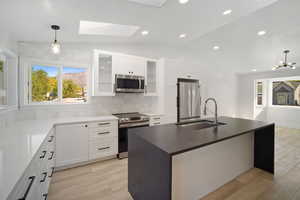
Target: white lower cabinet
{"type": "Point", "coordinates": [103, 139]}
{"type": "Point", "coordinates": [155, 120]}
{"type": "Point", "coordinates": [34, 183]}
{"type": "Point", "coordinates": [102, 147]}
{"type": "Point", "coordinates": [78, 143]}
{"type": "Point", "coordinates": [71, 144]}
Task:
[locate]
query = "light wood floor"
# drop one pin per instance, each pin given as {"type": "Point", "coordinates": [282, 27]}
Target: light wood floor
{"type": "Point", "coordinates": [108, 180]}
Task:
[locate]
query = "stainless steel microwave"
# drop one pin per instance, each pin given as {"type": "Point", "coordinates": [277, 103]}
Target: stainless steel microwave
{"type": "Point", "coordinates": [129, 84]}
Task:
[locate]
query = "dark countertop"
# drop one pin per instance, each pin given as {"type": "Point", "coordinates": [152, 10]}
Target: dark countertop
{"type": "Point", "coordinates": [174, 139]}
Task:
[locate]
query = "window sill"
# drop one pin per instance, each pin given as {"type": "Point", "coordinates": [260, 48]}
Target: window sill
{"type": "Point", "coordinates": [52, 105]}
{"type": "Point", "coordinates": [285, 107]}
{"type": "Point", "coordinates": [4, 109]}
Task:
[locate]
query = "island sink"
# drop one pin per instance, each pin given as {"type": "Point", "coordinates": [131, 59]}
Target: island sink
{"type": "Point", "coordinates": [200, 124]}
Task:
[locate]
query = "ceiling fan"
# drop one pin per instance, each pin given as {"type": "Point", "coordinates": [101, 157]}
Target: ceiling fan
{"type": "Point", "coordinates": [284, 64]}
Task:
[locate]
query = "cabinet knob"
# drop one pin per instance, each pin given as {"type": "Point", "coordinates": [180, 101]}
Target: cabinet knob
{"type": "Point", "coordinates": [86, 126]}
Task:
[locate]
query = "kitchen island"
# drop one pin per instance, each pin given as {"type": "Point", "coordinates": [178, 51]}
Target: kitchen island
{"type": "Point", "coordinates": [186, 163]}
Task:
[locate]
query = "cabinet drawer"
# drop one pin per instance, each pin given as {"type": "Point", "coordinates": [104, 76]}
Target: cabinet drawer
{"type": "Point", "coordinates": [102, 148]}
{"type": "Point", "coordinates": [155, 120]}
{"type": "Point", "coordinates": [101, 132]}
{"type": "Point", "coordinates": [101, 124]}
{"type": "Point", "coordinates": [156, 123]}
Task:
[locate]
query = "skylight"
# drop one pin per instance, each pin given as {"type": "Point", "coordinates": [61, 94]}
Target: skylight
{"type": "Point", "coordinates": [107, 29]}
{"type": "Point", "coordinates": [156, 3]}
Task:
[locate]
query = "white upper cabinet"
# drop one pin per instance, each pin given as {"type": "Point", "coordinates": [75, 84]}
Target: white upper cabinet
{"type": "Point", "coordinates": [129, 65]}
{"type": "Point", "coordinates": [107, 64]}
{"type": "Point", "coordinates": [103, 74]}
{"type": "Point", "coordinates": [151, 78]}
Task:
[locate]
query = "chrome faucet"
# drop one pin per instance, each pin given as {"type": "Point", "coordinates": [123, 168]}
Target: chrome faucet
{"type": "Point", "coordinates": [216, 108]}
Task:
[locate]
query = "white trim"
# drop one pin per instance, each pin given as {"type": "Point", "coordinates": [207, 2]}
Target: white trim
{"type": "Point", "coordinates": [26, 71]}
{"type": "Point", "coordinates": [5, 109]}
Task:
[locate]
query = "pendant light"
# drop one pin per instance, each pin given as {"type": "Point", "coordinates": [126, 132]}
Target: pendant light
{"type": "Point", "coordinates": [285, 64]}
{"type": "Point", "coordinates": [55, 46]}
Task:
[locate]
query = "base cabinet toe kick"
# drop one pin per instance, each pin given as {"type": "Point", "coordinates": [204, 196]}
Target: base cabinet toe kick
{"type": "Point", "coordinates": [156, 174]}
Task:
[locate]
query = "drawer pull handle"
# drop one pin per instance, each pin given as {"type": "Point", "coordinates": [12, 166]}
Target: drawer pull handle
{"type": "Point", "coordinates": [31, 178]}
{"type": "Point", "coordinates": [52, 154]}
{"type": "Point", "coordinates": [100, 149]}
{"type": "Point", "coordinates": [52, 171]}
{"type": "Point", "coordinates": [51, 138]}
{"type": "Point", "coordinates": [103, 133]}
{"type": "Point", "coordinates": [104, 123]}
{"type": "Point", "coordinates": [157, 123]}
{"type": "Point", "coordinates": [44, 178]}
{"type": "Point", "coordinates": [157, 118]}
{"type": "Point", "coordinates": [45, 196]}
{"type": "Point", "coordinates": [43, 155]}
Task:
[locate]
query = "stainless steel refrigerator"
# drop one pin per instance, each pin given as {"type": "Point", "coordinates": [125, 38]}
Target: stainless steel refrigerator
{"type": "Point", "coordinates": [188, 100]}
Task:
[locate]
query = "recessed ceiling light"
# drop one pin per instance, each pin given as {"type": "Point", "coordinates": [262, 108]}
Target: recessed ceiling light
{"type": "Point", "coordinates": [254, 70]}
{"type": "Point", "coordinates": [260, 33]}
{"type": "Point", "coordinates": [107, 29]}
{"type": "Point", "coordinates": [183, 1]}
{"type": "Point", "coordinates": [145, 33]}
{"type": "Point", "coordinates": [216, 48]}
{"type": "Point", "coordinates": [227, 12]}
{"type": "Point", "coordinates": [183, 35]}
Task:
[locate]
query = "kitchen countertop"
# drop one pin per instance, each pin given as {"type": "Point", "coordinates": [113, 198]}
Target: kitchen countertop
{"type": "Point", "coordinates": [20, 142]}
{"type": "Point", "coordinates": [153, 114]}
{"type": "Point", "coordinates": [174, 139]}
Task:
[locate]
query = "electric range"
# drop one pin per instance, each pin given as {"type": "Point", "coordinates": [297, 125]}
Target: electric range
{"type": "Point", "coordinates": [127, 121]}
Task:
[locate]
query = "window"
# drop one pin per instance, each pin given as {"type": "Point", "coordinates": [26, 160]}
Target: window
{"type": "Point", "coordinates": [74, 85]}
{"type": "Point", "coordinates": [259, 93]}
{"type": "Point", "coordinates": [286, 92]}
{"type": "Point", "coordinates": [44, 84]}
{"type": "Point", "coordinates": [57, 84]}
{"type": "Point", "coordinates": [3, 79]}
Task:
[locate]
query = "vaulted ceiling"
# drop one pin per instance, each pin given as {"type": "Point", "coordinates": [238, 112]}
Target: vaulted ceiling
{"type": "Point", "coordinates": [202, 20]}
{"type": "Point", "coordinates": [30, 20]}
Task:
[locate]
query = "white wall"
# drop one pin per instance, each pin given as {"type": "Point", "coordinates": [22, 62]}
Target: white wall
{"type": "Point", "coordinates": [181, 62]}
{"type": "Point", "coordinates": [282, 116]}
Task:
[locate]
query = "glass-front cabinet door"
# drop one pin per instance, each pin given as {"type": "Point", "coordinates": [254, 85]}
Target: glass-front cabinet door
{"type": "Point", "coordinates": [103, 74]}
{"type": "Point", "coordinates": [151, 78]}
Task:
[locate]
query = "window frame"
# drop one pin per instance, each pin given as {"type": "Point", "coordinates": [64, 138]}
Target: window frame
{"type": "Point", "coordinates": [264, 93]}
{"type": "Point", "coordinates": [5, 81]}
{"type": "Point", "coordinates": [271, 91]}
{"type": "Point", "coordinates": [28, 83]}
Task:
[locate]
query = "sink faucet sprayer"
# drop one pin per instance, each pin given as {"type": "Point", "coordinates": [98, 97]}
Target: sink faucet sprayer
{"type": "Point", "coordinates": [216, 108]}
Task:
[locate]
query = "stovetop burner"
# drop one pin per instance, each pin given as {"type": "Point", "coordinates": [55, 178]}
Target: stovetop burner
{"type": "Point", "coordinates": [133, 117]}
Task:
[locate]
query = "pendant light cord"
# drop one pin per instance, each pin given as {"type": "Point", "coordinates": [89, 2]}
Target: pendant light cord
{"type": "Point", "coordinates": [55, 41]}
